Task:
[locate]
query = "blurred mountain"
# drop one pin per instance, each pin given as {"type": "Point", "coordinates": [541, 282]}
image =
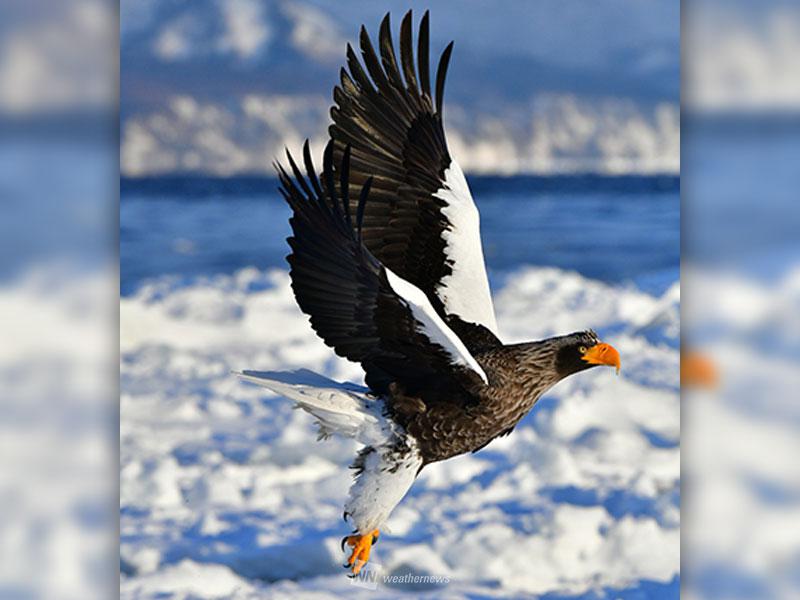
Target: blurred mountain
{"type": "Point", "coordinates": [221, 86]}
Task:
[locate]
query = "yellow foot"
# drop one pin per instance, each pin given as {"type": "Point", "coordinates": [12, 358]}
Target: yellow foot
{"type": "Point", "coordinates": [361, 545]}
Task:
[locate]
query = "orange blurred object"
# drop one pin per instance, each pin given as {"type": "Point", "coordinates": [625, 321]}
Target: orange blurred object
{"type": "Point", "coordinates": [698, 370]}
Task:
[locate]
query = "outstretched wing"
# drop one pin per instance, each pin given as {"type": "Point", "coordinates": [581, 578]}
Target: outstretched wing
{"type": "Point", "coordinates": [421, 221]}
{"type": "Point", "coordinates": [362, 309]}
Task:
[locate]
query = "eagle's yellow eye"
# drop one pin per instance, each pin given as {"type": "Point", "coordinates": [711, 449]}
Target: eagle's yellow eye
{"type": "Point", "coordinates": [582, 349]}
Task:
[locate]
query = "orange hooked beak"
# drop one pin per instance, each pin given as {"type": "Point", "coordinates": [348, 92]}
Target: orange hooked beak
{"type": "Point", "coordinates": [602, 354]}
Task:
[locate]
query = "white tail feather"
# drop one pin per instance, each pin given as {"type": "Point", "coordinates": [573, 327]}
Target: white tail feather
{"type": "Point", "coordinates": [388, 465]}
{"type": "Point", "coordinates": [339, 408]}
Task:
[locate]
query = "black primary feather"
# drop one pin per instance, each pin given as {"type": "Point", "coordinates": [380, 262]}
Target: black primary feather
{"type": "Point", "coordinates": [312, 175]}
{"type": "Point", "coordinates": [386, 116]}
{"type": "Point", "coordinates": [423, 56]}
{"type": "Point", "coordinates": [407, 55]}
{"type": "Point", "coordinates": [441, 75]}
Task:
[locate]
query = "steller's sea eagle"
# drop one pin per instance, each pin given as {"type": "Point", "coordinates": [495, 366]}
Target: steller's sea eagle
{"type": "Point", "coordinates": [387, 263]}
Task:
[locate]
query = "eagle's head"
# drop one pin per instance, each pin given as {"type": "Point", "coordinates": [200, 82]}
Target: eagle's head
{"type": "Point", "coordinates": [583, 350]}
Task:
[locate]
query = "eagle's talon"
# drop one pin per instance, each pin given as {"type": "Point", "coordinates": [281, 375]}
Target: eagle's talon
{"type": "Point", "coordinates": [361, 545]}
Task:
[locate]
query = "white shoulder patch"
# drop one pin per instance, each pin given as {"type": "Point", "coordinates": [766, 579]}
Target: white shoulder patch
{"type": "Point", "coordinates": [432, 324]}
{"type": "Point", "coordinates": [466, 291]}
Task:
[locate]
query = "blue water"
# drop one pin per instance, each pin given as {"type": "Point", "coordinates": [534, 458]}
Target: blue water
{"type": "Point", "coordinates": [614, 229]}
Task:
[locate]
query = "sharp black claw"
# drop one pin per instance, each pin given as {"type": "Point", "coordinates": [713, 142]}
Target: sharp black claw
{"type": "Point", "coordinates": [344, 516]}
{"type": "Point", "coordinates": [352, 576]}
{"type": "Point", "coordinates": [374, 539]}
{"type": "Point", "coordinates": [344, 541]}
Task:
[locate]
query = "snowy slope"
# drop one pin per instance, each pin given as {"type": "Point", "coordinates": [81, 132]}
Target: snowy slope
{"type": "Point", "coordinates": [226, 493]}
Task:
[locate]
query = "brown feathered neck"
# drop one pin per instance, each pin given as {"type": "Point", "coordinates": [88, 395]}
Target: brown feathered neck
{"type": "Point", "coordinates": [534, 363]}
{"type": "Point", "coordinates": [544, 363]}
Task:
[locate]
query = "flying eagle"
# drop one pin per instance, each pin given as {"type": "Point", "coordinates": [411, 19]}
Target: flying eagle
{"type": "Point", "coordinates": [387, 262]}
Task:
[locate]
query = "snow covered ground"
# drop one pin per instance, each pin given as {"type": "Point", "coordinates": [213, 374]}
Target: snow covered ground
{"type": "Point", "coordinates": [225, 491]}
{"type": "Point", "coordinates": [741, 443]}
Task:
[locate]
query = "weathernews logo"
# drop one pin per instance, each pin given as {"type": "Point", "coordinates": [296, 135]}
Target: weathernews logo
{"type": "Point", "coordinates": [372, 574]}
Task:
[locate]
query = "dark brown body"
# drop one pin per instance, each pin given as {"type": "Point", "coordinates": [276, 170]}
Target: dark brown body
{"type": "Point", "coordinates": [452, 421]}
